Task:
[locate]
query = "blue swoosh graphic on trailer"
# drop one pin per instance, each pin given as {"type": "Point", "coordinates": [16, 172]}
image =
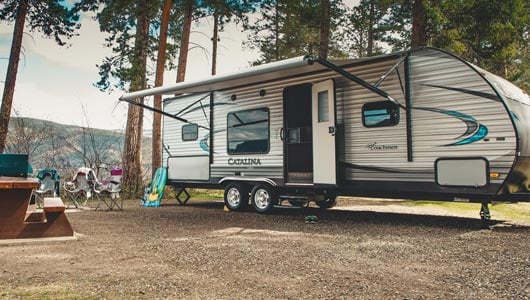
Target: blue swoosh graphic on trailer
{"type": "Point", "coordinates": [479, 134]}
{"type": "Point", "coordinates": [474, 131]}
{"type": "Point", "coordinates": [204, 143]}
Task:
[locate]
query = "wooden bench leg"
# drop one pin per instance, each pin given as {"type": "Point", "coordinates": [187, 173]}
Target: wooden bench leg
{"type": "Point", "coordinates": [55, 224]}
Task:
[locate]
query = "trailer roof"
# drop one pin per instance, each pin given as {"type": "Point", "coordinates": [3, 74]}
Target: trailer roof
{"type": "Point", "coordinates": [270, 71]}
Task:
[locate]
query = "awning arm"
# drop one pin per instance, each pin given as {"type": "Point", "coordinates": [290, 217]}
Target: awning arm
{"type": "Point", "coordinates": [382, 78]}
{"type": "Point", "coordinates": [131, 101]}
{"type": "Point", "coordinates": [346, 74]}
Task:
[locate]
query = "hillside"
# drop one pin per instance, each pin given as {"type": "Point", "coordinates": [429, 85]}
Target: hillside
{"type": "Point", "coordinates": [68, 147]}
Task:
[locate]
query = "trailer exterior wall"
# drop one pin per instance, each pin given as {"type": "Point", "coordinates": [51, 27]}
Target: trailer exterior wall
{"type": "Point", "coordinates": [454, 113]}
{"type": "Point", "coordinates": [195, 109]}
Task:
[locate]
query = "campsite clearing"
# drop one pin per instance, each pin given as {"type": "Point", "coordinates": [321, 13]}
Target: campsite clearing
{"type": "Point", "coordinates": [200, 251]}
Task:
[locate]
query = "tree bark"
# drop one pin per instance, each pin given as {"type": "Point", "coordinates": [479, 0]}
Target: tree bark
{"type": "Point", "coordinates": [325, 21]}
{"type": "Point", "coordinates": [277, 32]}
{"type": "Point", "coordinates": [419, 23]}
{"type": "Point", "coordinates": [185, 41]}
{"type": "Point", "coordinates": [12, 69]}
{"type": "Point", "coordinates": [132, 176]}
{"type": "Point", "coordinates": [159, 80]}
{"type": "Point", "coordinates": [215, 40]}
{"type": "Point", "coordinates": [370, 42]}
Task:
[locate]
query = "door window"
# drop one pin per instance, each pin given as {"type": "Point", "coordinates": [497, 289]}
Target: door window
{"type": "Point", "coordinates": [323, 107]}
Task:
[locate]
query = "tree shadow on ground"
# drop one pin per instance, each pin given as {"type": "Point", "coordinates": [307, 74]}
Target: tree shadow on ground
{"type": "Point", "coordinates": [373, 217]}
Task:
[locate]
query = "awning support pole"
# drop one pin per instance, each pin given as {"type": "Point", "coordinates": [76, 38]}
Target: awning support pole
{"type": "Point", "coordinates": [130, 101]}
{"type": "Point", "coordinates": [351, 77]}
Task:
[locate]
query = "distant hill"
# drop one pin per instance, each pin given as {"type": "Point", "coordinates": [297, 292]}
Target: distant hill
{"type": "Point", "coordinates": [68, 147]}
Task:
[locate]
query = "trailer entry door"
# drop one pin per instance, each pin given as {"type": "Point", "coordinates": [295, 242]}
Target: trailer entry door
{"type": "Point", "coordinates": [324, 131]}
{"type": "Point", "coordinates": [298, 134]}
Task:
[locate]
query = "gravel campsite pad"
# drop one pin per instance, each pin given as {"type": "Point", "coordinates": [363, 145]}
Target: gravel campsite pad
{"type": "Point", "coordinates": [200, 251]}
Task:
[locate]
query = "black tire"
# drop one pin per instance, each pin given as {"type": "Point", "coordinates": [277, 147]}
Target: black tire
{"type": "Point", "coordinates": [236, 196]}
{"type": "Point", "coordinates": [328, 202]}
{"type": "Point", "coordinates": [263, 198]}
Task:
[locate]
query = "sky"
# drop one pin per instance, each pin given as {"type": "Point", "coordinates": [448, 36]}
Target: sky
{"type": "Point", "coordinates": [57, 83]}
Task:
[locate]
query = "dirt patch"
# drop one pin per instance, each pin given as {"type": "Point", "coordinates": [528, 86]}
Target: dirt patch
{"type": "Point", "coordinates": [199, 251]}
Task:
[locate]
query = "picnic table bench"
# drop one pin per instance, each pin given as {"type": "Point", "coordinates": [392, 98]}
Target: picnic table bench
{"type": "Point", "coordinates": [17, 222]}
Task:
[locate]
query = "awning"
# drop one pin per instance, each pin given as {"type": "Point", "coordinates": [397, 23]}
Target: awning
{"type": "Point", "coordinates": [271, 71]}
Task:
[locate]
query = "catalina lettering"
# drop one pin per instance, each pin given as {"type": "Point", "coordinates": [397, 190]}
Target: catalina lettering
{"type": "Point", "coordinates": [244, 162]}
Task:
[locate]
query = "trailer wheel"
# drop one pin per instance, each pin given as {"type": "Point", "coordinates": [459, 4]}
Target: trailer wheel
{"type": "Point", "coordinates": [329, 202]}
{"type": "Point", "coordinates": [263, 198]}
{"type": "Point", "coordinates": [236, 196]}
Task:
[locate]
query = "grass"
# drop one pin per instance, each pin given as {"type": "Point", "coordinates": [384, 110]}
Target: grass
{"type": "Point", "coordinates": [207, 194]}
{"type": "Point", "coordinates": [40, 292]}
{"type": "Point", "coordinates": [499, 210]}
{"type": "Point", "coordinates": [512, 211]}
{"type": "Point", "coordinates": [196, 194]}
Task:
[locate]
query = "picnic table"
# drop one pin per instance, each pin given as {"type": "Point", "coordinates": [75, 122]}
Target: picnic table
{"type": "Point", "coordinates": [15, 219]}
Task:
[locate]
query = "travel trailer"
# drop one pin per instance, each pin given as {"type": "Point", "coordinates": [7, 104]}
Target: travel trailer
{"type": "Point", "coordinates": [420, 124]}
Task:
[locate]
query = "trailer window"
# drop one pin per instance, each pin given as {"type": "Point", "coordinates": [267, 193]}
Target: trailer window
{"type": "Point", "coordinates": [379, 114]}
{"type": "Point", "coordinates": [190, 132]}
{"type": "Point", "coordinates": [248, 131]}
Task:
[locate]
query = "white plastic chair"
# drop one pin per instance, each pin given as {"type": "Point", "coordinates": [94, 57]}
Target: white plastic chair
{"type": "Point", "coordinates": [81, 186]}
{"type": "Point", "coordinates": [110, 188]}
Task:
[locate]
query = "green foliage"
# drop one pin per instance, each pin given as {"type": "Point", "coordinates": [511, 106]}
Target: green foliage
{"type": "Point", "coordinates": [51, 17]}
{"type": "Point", "coordinates": [119, 19]}
{"type": "Point", "coordinates": [362, 23]}
{"type": "Point", "coordinates": [490, 33]}
{"type": "Point", "coordinates": [288, 28]}
{"type": "Point", "coordinates": [228, 10]}
{"type": "Point", "coordinates": [493, 34]}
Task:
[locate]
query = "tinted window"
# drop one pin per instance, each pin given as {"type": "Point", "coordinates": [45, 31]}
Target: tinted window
{"type": "Point", "coordinates": [190, 132]}
{"type": "Point", "coordinates": [378, 114]}
{"type": "Point", "coordinates": [323, 107]}
{"type": "Point", "coordinates": [248, 131]}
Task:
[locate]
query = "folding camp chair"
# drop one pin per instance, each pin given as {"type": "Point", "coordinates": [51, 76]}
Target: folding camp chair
{"type": "Point", "coordinates": [108, 191]}
{"type": "Point", "coordinates": [48, 185]}
{"type": "Point", "coordinates": [81, 186]}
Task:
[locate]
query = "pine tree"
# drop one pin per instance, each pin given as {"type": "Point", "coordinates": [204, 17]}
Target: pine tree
{"type": "Point", "coordinates": [362, 29]}
{"type": "Point", "coordinates": [52, 19]}
{"type": "Point", "coordinates": [288, 28]}
{"type": "Point", "coordinates": [156, 159]}
{"type": "Point", "coordinates": [129, 24]}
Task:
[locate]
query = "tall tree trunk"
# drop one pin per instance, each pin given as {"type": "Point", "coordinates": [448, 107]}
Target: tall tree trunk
{"type": "Point", "coordinates": [277, 31]}
{"type": "Point", "coordinates": [371, 19]}
{"type": "Point", "coordinates": [185, 40]}
{"type": "Point", "coordinates": [325, 21]}
{"type": "Point", "coordinates": [215, 40]}
{"type": "Point", "coordinates": [419, 23]}
{"type": "Point", "coordinates": [133, 132]}
{"type": "Point", "coordinates": [159, 80]}
{"type": "Point", "coordinates": [11, 76]}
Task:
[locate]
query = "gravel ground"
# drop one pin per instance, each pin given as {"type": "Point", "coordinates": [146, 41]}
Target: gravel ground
{"type": "Point", "coordinates": [199, 251]}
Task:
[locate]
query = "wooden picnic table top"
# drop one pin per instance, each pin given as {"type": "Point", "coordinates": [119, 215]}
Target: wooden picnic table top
{"type": "Point", "coordinates": [7, 183]}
